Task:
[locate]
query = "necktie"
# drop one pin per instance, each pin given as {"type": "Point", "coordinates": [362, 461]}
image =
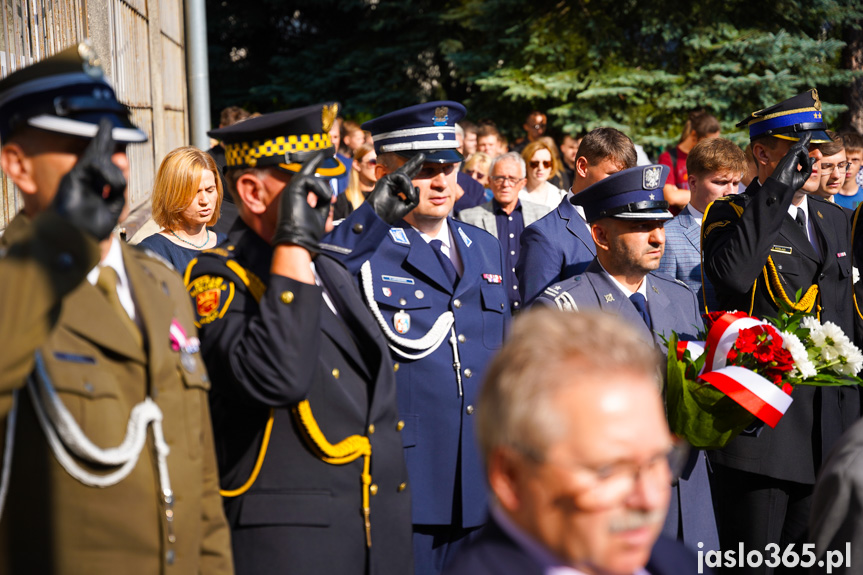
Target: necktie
{"type": "Point", "coordinates": [107, 284]}
{"type": "Point", "coordinates": [445, 262]}
{"type": "Point", "coordinates": [801, 219]}
{"type": "Point", "coordinates": [640, 304]}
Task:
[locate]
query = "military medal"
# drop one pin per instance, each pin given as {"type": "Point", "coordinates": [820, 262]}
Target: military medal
{"type": "Point", "coordinates": [402, 322]}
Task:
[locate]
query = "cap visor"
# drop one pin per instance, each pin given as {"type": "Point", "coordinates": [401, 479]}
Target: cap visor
{"type": "Point", "coordinates": [818, 137]}
{"type": "Point", "coordinates": [122, 131]}
{"type": "Point", "coordinates": [652, 215]}
{"type": "Point", "coordinates": [446, 156]}
{"type": "Point", "coordinates": [329, 168]}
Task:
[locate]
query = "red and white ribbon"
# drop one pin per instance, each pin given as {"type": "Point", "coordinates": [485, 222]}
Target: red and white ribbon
{"type": "Point", "coordinates": [756, 394]}
{"type": "Point", "coordinates": [179, 341]}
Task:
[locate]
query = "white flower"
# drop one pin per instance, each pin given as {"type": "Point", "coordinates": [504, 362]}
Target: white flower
{"type": "Point", "coordinates": [810, 323]}
{"type": "Point", "coordinates": [831, 340]}
{"type": "Point", "coordinates": [851, 359]}
{"type": "Point", "coordinates": [802, 366]}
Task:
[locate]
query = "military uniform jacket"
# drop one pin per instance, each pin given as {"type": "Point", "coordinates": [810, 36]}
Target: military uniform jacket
{"type": "Point", "coordinates": [409, 292]}
{"type": "Point", "coordinates": [52, 523]}
{"type": "Point", "coordinates": [672, 307]}
{"type": "Point", "coordinates": [554, 248]}
{"type": "Point", "coordinates": [270, 343]}
{"type": "Point", "coordinates": [736, 248]}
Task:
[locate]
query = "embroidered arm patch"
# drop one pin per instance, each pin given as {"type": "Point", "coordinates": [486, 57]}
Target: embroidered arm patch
{"type": "Point", "coordinates": [212, 296]}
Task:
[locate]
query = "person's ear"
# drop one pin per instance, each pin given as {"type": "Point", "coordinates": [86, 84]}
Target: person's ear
{"type": "Point", "coordinates": [761, 153]}
{"type": "Point", "coordinates": [693, 183]}
{"type": "Point", "coordinates": [381, 171]}
{"type": "Point", "coordinates": [503, 477]}
{"type": "Point", "coordinates": [18, 167]}
{"type": "Point", "coordinates": [599, 233]}
{"type": "Point", "coordinates": [252, 192]}
{"type": "Point", "coordinates": [581, 166]}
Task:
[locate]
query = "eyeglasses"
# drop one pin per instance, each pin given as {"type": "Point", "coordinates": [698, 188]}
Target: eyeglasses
{"type": "Point", "coordinates": [608, 485]}
{"type": "Point", "coordinates": [500, 180]}
{"type": "Point", "coordinates": [538, 127]}
{"type": "Point", "coordinates": [476, 174]}
{"type": "Point", "coordinates": [535, 164]}
{"type": "Point", "coordinates": [827, 169]}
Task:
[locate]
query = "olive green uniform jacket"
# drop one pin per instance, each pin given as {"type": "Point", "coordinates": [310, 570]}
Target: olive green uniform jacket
{"type": "Point", "coordinates": [52, 523]}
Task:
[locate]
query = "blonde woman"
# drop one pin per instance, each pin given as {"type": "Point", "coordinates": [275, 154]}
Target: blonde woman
{"type": "Point", "coordinates": [542, 163]}
{"type": "Point", "coordinates": [360, 183]}
{"type": "Point", "coordinates": [187, 198]}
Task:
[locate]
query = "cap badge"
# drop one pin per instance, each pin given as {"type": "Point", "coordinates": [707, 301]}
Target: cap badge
{"type": "Point", "coordinates": [817, 104]}
{"type": "Point", "coordinates": [651, 177]}
{"type": "Point", "coordinates": [441, 115]}
{"type": "Point", "coordinates": [328, 116]}
{"type": "Point", "coordinates": [652, 196]}
{"type": "Point", "coordinates": [92, 64]}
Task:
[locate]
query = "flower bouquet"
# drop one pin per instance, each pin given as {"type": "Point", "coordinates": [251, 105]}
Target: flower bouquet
{"type": "Point", "coordinates": [745, 370]}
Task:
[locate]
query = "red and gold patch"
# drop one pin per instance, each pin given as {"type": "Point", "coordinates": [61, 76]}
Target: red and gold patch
{"type": "Point", "coordinates": [212, 297]}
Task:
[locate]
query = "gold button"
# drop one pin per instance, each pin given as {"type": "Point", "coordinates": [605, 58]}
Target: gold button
{"type": "Point", "coordinates": [336, 372]}
{"type": "Point", "coordinates": [469, 410]}
{"type": "Point", "coordinates": [400, 425]}
{"type": "Point", "coordinates": [371, 428]}
{"type": "Point", "coordinates": [461, 338]}
{"type": "Point", "coordinates": [287, 297]}
{"type": "Point", "coordinates": [457, 303]}
{"type": "Point", "coordinates": [395, 367]}
{"type": "Point", "coordinates": [373, 489]}
{"type": "Point", "coordinates": [403, 486]}
{"type": "Point", "coordinates": [468, 372]}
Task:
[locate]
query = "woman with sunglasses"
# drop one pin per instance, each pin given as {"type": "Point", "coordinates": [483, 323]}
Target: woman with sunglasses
{"type": "Point", "coordinates": [542, 163]}
{"type": "Point", "coordinates": [477, 167]}
{"type": "Point", "coordinates": [361, 182]}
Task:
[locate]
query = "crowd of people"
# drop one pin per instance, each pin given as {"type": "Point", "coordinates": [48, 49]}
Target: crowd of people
{"type": "Point", "coordinates": [313, 367]}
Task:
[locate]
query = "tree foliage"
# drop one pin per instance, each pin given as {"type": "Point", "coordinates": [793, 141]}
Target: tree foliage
{"type": "Point", "coordinates": [638, 66]}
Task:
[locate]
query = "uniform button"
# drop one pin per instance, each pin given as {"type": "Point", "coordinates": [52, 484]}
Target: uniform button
{"type": "Point", "coordinates": [514, 287]}
{"type": "Point", "coordinates": [395, 367]}
{"type": "Point", "coordinates": [403, 301]}
{"type": "Point", "coordinates": [419, 294]}
{"type": "Point", "coordinates": [513, 270]}
{"type": "Point", "coordinates": [371, 428]}
{"type": "Point", "coordinates": [400, 425]}
{"type": "Point", "coordinates": [336, 372]}
{"type": "Point", "coordinates": [373, 489]}
{"type": "Point", "coordinates": [512, 235]}
{"type": "Point", "coordinates": [457, 303]}
{"type": "Point", "coordinates": [501, 306]}
{"type": "Point", "coordinates": [469, 410]}
{"type": "Point", "coordinates": [512, 253]}
{"type": "Point", "coordinates": [510, 218]}
{"type": "Point", "coordinates": [821, 276]}
{"type": "Point", "coordinates": [402, 487]}
{"type": "Point", "coordinates": [358, 228]}
{"type": "Point", "coordinates": [287, 297]}
{"type": "Point", "coordinates": [515, 304]}
{"type": "Point", "coordinates": [89, 387]}
{"type": "Point", "coordinates": [461, 338]}
{"type": "Point", "coordinates": [468, 372]}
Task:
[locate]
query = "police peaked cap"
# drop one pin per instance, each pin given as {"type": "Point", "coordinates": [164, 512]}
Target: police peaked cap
{"type": "Point", "coordinates": [428, 128]}
{"type": "Point", "coordinates": [283, 140]}
{"type": "Point", "coordinates": [67, 94]}
{"type": "Point", "coordinates": [788, 119]}
{"type": "Point", "coordinates": [633, 194]}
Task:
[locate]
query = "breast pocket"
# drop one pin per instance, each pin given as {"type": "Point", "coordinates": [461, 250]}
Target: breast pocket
{"type": "Point", "coordinates": [494, 304]}
{"type": "Point", "coordinates": [196, 384]}
{"type": "Point", "coordinates": [403, 307]}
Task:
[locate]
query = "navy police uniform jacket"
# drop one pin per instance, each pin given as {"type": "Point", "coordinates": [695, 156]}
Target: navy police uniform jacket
{"type": "Point", "coordinates": [672, 307]}
{"type": "Point", "coordinates": [430, 326]}
{"type": "Point", "coordinates": [554, 248]}
{"type": "Point", "coordinates": [270, 343]}
{"type": "Point", "coordinates": [739, 233]}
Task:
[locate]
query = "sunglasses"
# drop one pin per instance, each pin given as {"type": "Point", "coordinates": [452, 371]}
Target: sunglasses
{"type": "Point", "coordinates": [535, 164]}
{"type": "Point", "coordinates": [539, 127]}
{"type": "Point", "coordinates": [372, 162]}
{"type": "Point", "coordinates": [476, 174]}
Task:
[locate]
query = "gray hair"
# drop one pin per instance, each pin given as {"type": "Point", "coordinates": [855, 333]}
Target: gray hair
{"type": "Point", "coordinates": [548, 350]}
{"type": "Point", "coordinates": [510, 157]}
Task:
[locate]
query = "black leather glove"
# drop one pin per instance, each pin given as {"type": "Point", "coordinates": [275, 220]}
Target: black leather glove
{"type": "Point", "coordinates": [786, 171]}
{"type": "Point", "coordinates": [81, 198]}
{"type": "Point", "coordinates": [299, 223]}
{"type": "Point", "coordinates": [386, 198]}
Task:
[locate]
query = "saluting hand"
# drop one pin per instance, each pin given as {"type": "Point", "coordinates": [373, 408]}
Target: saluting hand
{"type": "Point", "coordinates": [796, 166]}
{"type": "Point", "coordinates": [299, 223]}
{"type": "Point", "coordinates": [92, 195]}
{"type": "Point", "coordinates": [394, 195]}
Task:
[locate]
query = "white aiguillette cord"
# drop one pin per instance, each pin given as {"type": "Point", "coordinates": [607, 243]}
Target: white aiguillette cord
{"type": "Point", "coordinates": [66, 439]}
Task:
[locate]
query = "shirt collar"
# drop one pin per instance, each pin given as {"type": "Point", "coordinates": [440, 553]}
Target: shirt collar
{"type": "Point", "coordinates": [497, 207]}
{"type": "Point", "coordinates": [113, 259]}
{"type": "Point", "coordinates": [804, 205]}
{"type": "Point", "coordinates": [696, 215]}
{"type": "Point", "coordinates": [443, 235]}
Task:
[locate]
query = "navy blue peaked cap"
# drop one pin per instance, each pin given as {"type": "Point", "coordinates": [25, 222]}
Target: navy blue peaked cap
{"type": "Point", "coordinates": [66, 94]}
{"type": "Point", "coordinates": [788, 119]}
{"type": "Point", "coordinates": [633, 194]}
{"type": "Point", "coordinates": [428, 128]}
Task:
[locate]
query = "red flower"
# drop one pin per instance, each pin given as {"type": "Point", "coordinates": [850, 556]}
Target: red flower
{"type": "Point", "coordinates": [747, 340]}
{"type": "Point", "coordinates": [710, 318]}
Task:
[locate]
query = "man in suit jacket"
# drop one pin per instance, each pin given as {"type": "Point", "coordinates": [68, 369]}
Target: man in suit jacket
{"type": "Point", "coordinates": [107, 460]}
{"type": "Point", "coordinates": [505, 216]}
{"type": "Point", "coordinates": [626, 212]}
{"type": "Point", "coordinates": [577, 450]}
{"type": "Point", "coordinates": [303, 399]}
{"type": "Point", "coordinates": [436, 287]}
{"type": "Point", "coordinates": [559, 246]}
{"type": "Point", "coordinates": [759, 247]}
{"type": "Point", "coordinates": [715, 166]}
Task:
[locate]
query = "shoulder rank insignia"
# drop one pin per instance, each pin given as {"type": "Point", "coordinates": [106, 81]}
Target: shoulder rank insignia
{"type": "Point", "coordinates": [715, 225]}
{"type": "Point", "coordinates": [399, 236]}
{"type": "Point", "coordinates": [467, 240]}
{"type": "Point", "coordinates": [212, 297]}
{"type": "Point", "coordinates": [608, 298]}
